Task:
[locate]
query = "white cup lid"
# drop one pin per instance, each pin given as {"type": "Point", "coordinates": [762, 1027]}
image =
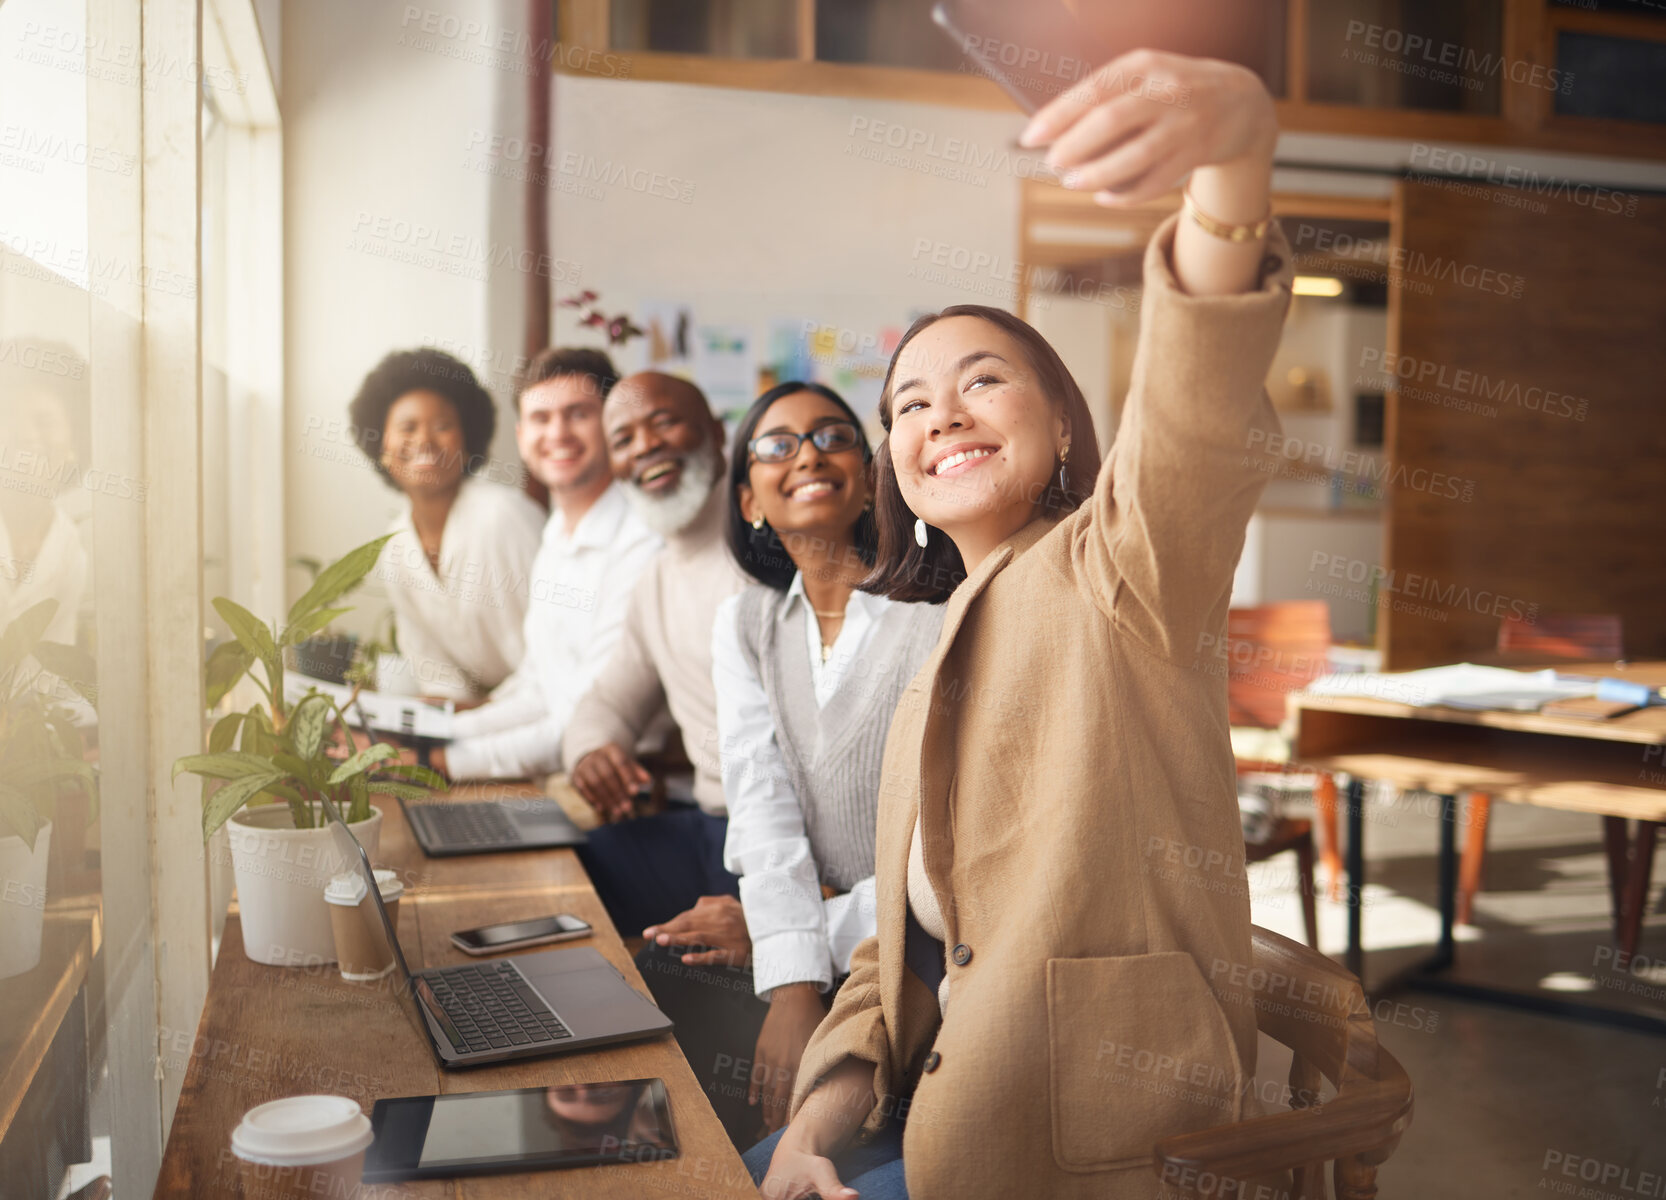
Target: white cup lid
{"type": "Point", "coordinates": [347, 889]}
{"type": "Point", "coordinates": [301, 1131]}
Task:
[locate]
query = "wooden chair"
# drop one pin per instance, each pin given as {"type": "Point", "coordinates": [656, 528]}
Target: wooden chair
{"type": "Point", "coordinates": [1573, 637]}
{"type": "Point", "coordinates": [1273, 650]}
{"type": "Point", "coordinates": [1308, 1003]}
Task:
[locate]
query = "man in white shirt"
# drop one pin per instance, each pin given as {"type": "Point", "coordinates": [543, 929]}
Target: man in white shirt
{"type": "Point", "coordinates": [593, 549]}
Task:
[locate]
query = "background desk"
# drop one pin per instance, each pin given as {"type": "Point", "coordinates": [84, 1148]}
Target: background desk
{"type": "Point", "coordinates": [268, 1032]}
{"type": "Point", "coordinates": [1615, 769]}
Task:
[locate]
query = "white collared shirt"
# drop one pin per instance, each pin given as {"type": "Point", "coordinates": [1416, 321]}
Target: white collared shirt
{"type": "Point", "coordinates": [797, 937]}
{"type": "Point", "coordinates": [460, 627]}
{"type": "Point", "coordinates": [581, 585]}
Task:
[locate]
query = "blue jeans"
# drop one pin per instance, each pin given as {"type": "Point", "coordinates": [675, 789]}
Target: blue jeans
{"type": "Point", "coordinates": [874, 1170]}
{"type": "Point", "coordinates": [648, 869]}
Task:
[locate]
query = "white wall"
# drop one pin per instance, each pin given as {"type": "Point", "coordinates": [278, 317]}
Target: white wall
{"type": "Point", "coordinates": [784, 219]}
{"type": "Point", "coordinates": [385, 236]}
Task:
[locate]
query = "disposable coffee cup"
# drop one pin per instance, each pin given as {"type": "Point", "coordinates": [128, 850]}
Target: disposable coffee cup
{"type": "Point", "coordinates": [309, 1147]}
{"type": "Point", "coordinates": [362, 946]}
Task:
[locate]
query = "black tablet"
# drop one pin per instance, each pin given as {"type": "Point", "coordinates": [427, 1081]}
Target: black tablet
{"type": "Point", "coordinates": [528, 1129]}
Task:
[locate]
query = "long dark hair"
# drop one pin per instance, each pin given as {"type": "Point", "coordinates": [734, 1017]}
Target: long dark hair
{"type": "Point", "coordinates": [905, 571]}
{"type": "Point", "coordinates": [759, 551]}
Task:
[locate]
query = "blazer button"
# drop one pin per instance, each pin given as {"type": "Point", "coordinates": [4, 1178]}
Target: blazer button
{"type": "Point", "coordinates": [932, 1061]}
{"type": "Point", "coordinates": [962, 954]}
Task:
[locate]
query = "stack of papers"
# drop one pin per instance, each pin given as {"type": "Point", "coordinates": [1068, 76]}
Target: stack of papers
{"type": "Point", "coordinates": [1464, 685]}
{"type": "Point", "coordinates": [406, 716]}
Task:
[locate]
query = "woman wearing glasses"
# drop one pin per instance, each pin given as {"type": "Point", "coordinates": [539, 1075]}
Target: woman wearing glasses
{"type": "Point", "coordinates": [807, 671]}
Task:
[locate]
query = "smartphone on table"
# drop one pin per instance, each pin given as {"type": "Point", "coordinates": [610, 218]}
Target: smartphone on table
{"type": "Point", "coordinates": [515, 935]}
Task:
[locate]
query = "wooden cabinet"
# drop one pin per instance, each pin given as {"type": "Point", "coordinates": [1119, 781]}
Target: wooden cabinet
{"type": "Point", "coordinates": [1570, 75]}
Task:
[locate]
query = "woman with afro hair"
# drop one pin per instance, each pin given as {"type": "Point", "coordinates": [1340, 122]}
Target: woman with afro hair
{"type": "Point", "coordinates": [456, 567]}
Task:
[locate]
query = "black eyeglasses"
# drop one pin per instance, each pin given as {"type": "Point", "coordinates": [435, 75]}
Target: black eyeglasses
{"type": "Point", "coordinates": [831, 438]}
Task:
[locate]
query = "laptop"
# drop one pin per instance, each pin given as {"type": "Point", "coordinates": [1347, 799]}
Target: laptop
{"type": "Point", "coordinates": [444, 828]}
{"type": "Point", "coordinates": [497, 1010]}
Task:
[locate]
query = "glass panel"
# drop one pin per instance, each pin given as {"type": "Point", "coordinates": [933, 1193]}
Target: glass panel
{"type": "Point", "coordinates": [892, 33]}
{"type": "Point", "coordinates": [1425, 54]}
{"type": "Point", "coordinates": [720, 28]}
{"type": "Point", "coordinates": [1611, 77]}
{"type": "Point", "coordinates": [54, 1107]}
{"type": "Point", "coordinates": [1631, 8]}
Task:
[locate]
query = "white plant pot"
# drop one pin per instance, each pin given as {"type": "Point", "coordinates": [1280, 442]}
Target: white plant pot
{"type": "Point", "coordinates": [22, 901]}
{"type": "Point", "coordinates": [281, 875]}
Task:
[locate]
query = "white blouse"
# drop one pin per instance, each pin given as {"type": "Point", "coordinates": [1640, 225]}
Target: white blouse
{"type": "Point", "coordinates": [461, 629]}
{"type": "Point", "coordinates": [797, 937]}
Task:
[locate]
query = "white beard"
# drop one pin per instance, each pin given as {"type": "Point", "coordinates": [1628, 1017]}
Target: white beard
{"type": "Point", "coordinates": [670, 514]}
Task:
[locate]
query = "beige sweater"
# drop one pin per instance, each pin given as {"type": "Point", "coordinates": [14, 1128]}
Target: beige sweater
{"type": "Point", "coordinates": [664, 657]}
{"type": "Point", "coordinates": [1064, 754]}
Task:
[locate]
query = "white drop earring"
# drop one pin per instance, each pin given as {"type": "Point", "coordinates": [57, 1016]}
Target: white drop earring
{"type": "Point", "coordinates": [920, 532]}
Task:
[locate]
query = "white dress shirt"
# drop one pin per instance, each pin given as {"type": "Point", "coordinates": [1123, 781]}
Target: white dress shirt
{"type": "Point", "coordinates": [581, 587]}
{"type": "Point", "coordinates": [460, 628]}
{"type": "Point", "coordinates": [797, 937]}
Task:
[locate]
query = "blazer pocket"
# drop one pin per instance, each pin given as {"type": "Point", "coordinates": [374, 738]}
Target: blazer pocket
{"type": "Point", "coordinates": [1138, 1050]}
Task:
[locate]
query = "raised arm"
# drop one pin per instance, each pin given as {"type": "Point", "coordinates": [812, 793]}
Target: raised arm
{"type": "Point", "coordinates": [1165, 525]}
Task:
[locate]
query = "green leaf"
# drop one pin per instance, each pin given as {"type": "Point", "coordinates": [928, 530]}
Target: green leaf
{"type": "Point", "coordinates": [300, 631]}
{"type": "Point", "coordinates": [18, 811]}
{"type": "Point", "coordinates": [53, 771]}
{"type": "Point", "coordinates": [417, 773]}
{"type": "Point", "coordinates": [362, 761]}
{"type": "Point", "coordinates": [303, 772]}
{"type": "Point", "coordinates": [224, 733]}
{"type": "Point", "coordinates": [388, 787]}
{"type": "Point", "coordinates": [27, 629]}
{"type": "Point", "coordinates": [252, 633]}
{"type": "Point", "coordinates": [229, 663]}
{"type": "Point", "coordinates": [308, 722]}
{"type": "Point", "coordinates": [218, 808]}
{"type": "Point", "coordinates": [72, 665]}
{"type": "Point", "coordinates": [339, 578]}
{"type": "Point", "coordinates": [229, 764]}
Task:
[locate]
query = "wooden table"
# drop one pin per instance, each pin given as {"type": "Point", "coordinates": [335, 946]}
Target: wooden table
{"type": "Point", "coordinates": [1614, 768]}
{"type": "Point", "coordinates": [268, 1032]}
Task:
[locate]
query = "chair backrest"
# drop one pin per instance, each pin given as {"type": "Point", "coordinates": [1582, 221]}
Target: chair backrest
{"type": "Point", "coordinates": [1304, 1001]}
{"type": "Point", "coordinates": [1564, 635]}
{"type": "Point", "coordinates": [1273, 650]}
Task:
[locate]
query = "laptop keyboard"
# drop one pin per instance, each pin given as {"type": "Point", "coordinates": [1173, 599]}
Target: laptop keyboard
{"type": "Point", "coordinates": [469, 824]}
{"type": "Point", "coordinates": [493, 1008]}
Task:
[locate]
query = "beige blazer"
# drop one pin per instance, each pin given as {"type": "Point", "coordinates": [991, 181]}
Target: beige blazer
{"type": "Point", "coordinates": [1065, 750]}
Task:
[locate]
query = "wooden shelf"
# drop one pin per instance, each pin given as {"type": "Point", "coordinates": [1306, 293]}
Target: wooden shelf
{"type": "Point", "coordinates": [36, 1001]}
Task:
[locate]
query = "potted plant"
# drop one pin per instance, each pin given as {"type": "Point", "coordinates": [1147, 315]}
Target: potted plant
{"type": "Point", "coordinates": [40, 753]}
{"type": "Point", "coordinates": [274, 766]}
{"type": "Point", "coordinates": [325, 652]}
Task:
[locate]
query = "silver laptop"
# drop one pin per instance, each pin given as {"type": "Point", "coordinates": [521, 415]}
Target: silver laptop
{"type": "Point", "coordinates": [527, 1006]}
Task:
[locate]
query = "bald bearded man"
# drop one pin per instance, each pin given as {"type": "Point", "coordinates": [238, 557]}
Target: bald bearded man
{"type": "Point", "coordinates": [666, 450]}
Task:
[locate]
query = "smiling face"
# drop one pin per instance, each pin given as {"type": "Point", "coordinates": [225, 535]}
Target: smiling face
{"type": "Point", "coordinates": [814, 491]}
{"type": "Point", "coordinates": [663, 443]}
{"type": "Point", "coordinates": [559, 434]}
{"type": "Point", "coordinates": [974, 441]}
{"type": "Point", "coordinates": [423, 446]}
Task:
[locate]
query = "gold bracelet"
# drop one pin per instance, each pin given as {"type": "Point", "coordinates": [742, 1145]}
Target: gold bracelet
{"type": "Point", "coordinates": [1220, 229]}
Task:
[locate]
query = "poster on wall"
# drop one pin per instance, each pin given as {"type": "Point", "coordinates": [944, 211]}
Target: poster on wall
{"type": "Point", "coordinates": [850, 361]}
{"type": "Point", "coordinates": [725, 369]}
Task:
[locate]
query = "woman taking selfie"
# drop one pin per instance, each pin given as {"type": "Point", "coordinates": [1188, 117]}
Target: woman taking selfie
{"type": "Point", "coordinates": [1063, 752]}
{"type": "Point", "coordinates": [807, 670]}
